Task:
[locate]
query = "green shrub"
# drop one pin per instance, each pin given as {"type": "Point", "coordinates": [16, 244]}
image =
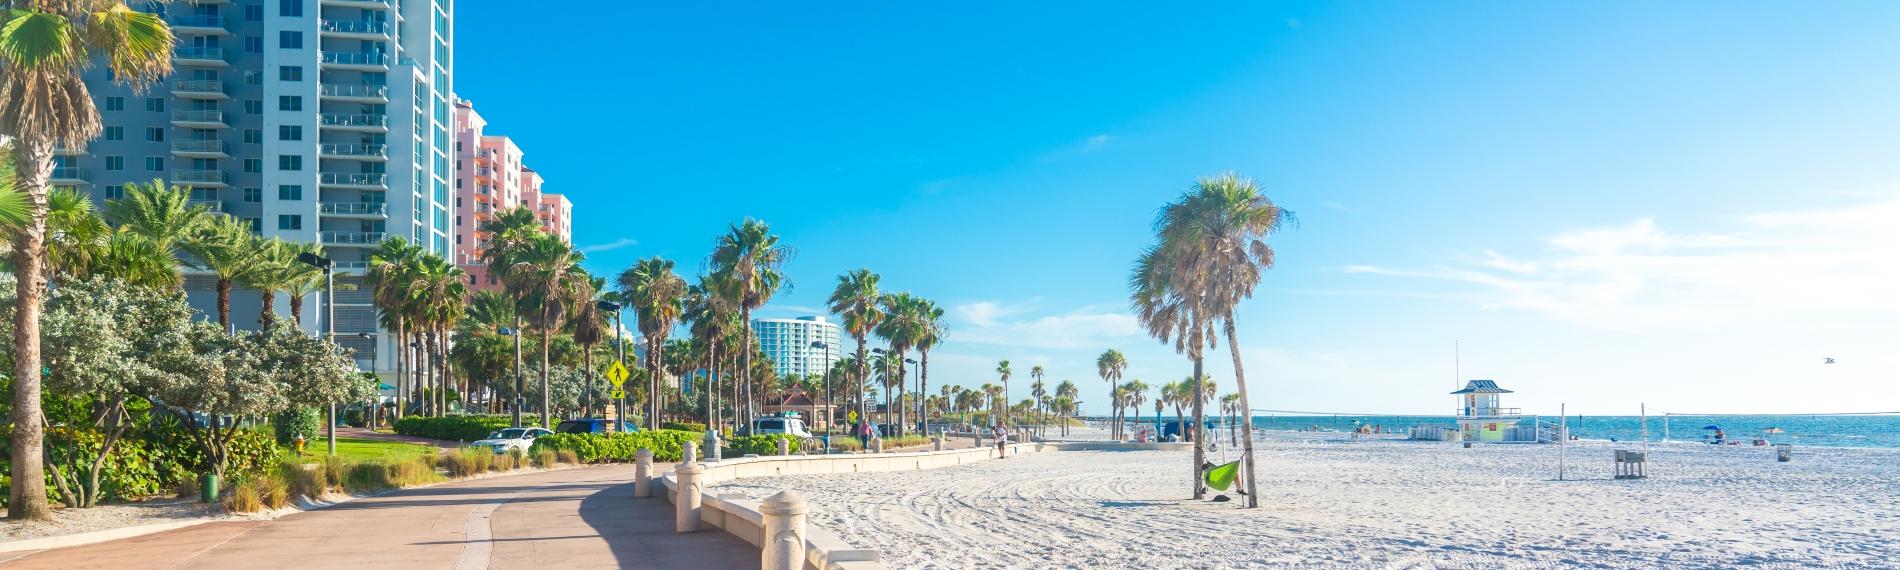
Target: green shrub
{"type": "Point", "coordinates": [667, 445]}
{"type": "Point", "coordinates": [287, 425]}
{"type": "Point", "coordinates": [761, 444]}
{"type": "Point", "coordinates": [684, 426]}
{"type": "Point", "coordinates": [452, 428]}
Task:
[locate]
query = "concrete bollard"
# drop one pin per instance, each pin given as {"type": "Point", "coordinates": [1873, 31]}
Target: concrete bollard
{"type": "Point", "coordinates": [877, 445]}
{"type": "Point", "coordinates": [686, 504]}
{"type": "Point", "coordinates": [713, 449]}
{"type": "Point", "coordinates": [784, 518]}
{"type": "Point", "coordinates": [937, 444]}
{"type": "Point", "coordinates": [784, 447]}
{"type": "Point", "coordinates": [643, 473]}
{"type": "Point", "coordinates": [689, 452]}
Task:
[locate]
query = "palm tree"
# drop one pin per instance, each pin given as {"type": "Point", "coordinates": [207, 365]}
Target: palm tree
{"type": "Point", "coordinates": [657, 295]}
{"type": "Point", "coordinates": [855, 300]}
{"type": "Point", "coordinates": [438, 293]}
{"type": "Point", "coordinates": [750, 261]}
{"type": "Point", "coordinates": [1213, 248]}
{"type": "Point", "coordinates": [274, 272]}
{"type": "Point", "coordinates": [1037, 393]}
{"type": "Point", "coordinates": [303, 279]}
{"type": "Point", "coordinates": [904, 322]}
{"type": "Point", "coordinates": [547, 271]}
{"type": "Point", "coordinates": [157, 211]}
{"type": "Point", "coordinates": [1003, 371]}
{"type": "Point", "coordinates": [930, 333]}
{"type": "Point", "coordinates": [713, 322]}
{"type": "Point", "coordinates": [43, 103]}
{"type": "Point", "coordinates": [392, 267]}
{"type": "Point", "coordinates": [590, 328]}
{"type": "Point", "coordinates": [1137, 394]}
{"type": "Point", "coordinates": [1110, 366]}
{"type": "Point", "coordinates": [1230, 407]}
{"type": "Point", "coordinates": [227, 248]}
{"type": "Point", "coordinates": [1171, 315]}
{"type": "Point", "coordinates": [1066, 392]}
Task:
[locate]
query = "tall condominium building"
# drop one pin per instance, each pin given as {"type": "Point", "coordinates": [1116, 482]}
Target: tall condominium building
{"type": "Point", "coordinates": [313, 120]}
{"type": "Point", "coordinates": [788, 342]}
{"type": "Point", "coordinates": [489, 178]}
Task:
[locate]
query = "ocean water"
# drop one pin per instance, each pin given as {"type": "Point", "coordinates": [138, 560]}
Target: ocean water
{"type": "Point", "coordinates": [1830, 431]}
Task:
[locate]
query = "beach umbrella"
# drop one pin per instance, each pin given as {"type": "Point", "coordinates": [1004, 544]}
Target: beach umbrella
{"type": "Point", "coordinates": [1772, 430]}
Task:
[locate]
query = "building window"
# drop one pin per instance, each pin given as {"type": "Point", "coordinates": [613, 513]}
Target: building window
{"type": "Point", "coordinates": [290, 192]}
{"type": "Point", "coordinates": [204, 194]}
{"type": "Point", "coordinates": [115, 103]}
{"type": "Point", "coordinates": [154, 164]}
{"type": "Point", "coordinates": [289, 133]}
{"type": "Point", "coordinates": [290, 8]}
{"type": "Point", "coordinates": [253, 78]}
{"type": "Point", "coordinates": [253, 195]}
{"type": "Point", "coordinates": [288, 39]}
{"type": "Point", "coordinates": [290, 162]}
{"type": "Point", "coordinates": [289, 103]}
{"type": "Point", "coordinates": [253, 136]}
{"type": "Point", "coordinates": [289, 222]}
{"type": "Point", "coordinates": [155, 104]}
{"type": "Point", "coordinates": [254, 106]}
{"type": "Point", "coordinates": [155, 134]}
{"type": "Point", "coordinates": [115, 192]}
{"type": "Point", "coordinates": [257, 224]}
{"type": "Point", "coordinates": [115, 133]}
{"type": "Point", "coordinates": [115, 163]}
{"type": "Point", "coordinates": [290, 73]}
{"type": "Point", "coordinates": [253, 165]}
{"type": "Point", "coordinates": [253, 44]}
{"type": "Point", "coordinates": [254, 12]}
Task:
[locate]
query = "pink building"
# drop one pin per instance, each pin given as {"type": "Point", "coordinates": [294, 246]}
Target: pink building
{"type": "Point", "coordinates": [490, 178]}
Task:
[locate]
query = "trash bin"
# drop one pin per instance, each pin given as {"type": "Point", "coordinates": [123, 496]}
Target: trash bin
{"type": "Point", "coordinates": [1784, 452]}
{"type": "Point", "coordinates": [1467, 445]}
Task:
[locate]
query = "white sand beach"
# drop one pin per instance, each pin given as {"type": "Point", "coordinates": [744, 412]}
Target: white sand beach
{"type": "Point", "coordinates": [1329, 502]}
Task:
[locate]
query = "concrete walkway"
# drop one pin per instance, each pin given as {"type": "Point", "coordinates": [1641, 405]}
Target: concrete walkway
{"type": "Point", "coordinates": [573, 518]}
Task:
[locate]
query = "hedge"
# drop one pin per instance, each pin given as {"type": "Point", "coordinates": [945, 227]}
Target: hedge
{"type": "Point", "coordinates": [667, 445]}
{"type": "Point", "coordinates": [684, 426]}
{"type": "Point", "coordinates": [760, 444]}
{"type": "Point", "coordinates": [453, 428]}
{"type": "Point", "coordinates": [143, 463]}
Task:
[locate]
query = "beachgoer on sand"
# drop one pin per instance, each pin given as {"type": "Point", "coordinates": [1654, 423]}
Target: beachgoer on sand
{"type": "Point", "coordinates": [1002, 440]}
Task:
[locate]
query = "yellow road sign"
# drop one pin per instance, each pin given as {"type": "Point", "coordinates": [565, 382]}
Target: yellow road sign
{"type": "Point", "coordinates": [617, 394]}
{"type": "Point", "coordinates": [853, 415]}
{"type": "Point", "coordinates": [617, 374]}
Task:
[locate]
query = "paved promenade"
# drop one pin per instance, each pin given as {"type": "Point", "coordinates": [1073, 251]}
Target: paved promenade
{"type": "Point", "coordinates": [573, 518]}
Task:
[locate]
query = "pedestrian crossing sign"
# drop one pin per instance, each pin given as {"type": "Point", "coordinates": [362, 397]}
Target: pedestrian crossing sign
{"type": "Point", "coordinates": [617, 374]}
{"type": "Point", "coordinates": [617, 394]}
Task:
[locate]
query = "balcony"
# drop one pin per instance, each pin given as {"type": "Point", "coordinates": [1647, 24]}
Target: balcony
{"type": "Point", "coordinates": [63, 150]}
{"type": "Point", "coordinates": [365, 61]}
{"type": "Point", "coordinates": [210, 205]}
{"type": "Point", "coordinates": [373, 152]}
{"type": "Point", "coordinates": [200, 24]}
{"type": "Point", "coordinates": [363, 30]}
{"type": "Point", "coordinates": [200, 89]}
{"type": "Point", "coordinates": [358, 93]}
{"type": "Point", "coordinates": [358, 239]}
{"type": "Point", "coordinates": [198, 178]}
{"type": "Point", "coordinates": [374, 210]}
{"type": "Point", "coordinates": [206, 119]}
{"type": "Point", "coordinates": [355, 180]}
{"type": "Point", "coordinates": [1488, 412]}
{"type": "Point", "coordinates": [205, 56]}
{"type": "Point", "coordinates": [362, 123]}
{"type": "Point", "coordinates": [68, 175]}
{"type": "Point", "coordinates": [364, 4]}
{"type": "Point", "coordinates": [200, 149]}
{"type": "Point", "coordinates": [351, 267]}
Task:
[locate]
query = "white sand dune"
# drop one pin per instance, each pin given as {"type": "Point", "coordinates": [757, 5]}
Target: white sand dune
{"type": "Point", "coordinates": [1328, 502]}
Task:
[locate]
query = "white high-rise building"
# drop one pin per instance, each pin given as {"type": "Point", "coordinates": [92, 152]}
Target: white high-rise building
{"type": "Point", "coordinates": [788, 342]}
{"type": "Point", "coordinates": [315, 120]}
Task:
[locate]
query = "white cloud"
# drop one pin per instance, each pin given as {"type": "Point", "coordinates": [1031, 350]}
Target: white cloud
{"type": "Point", "coordinates": [1783, 268]}
{"type": "Point", "coordinates": [610, 246]}
{"type": "Point", "coordinates": [991, 322]}
{"type": "Point", "coordinates": [1097, 142]}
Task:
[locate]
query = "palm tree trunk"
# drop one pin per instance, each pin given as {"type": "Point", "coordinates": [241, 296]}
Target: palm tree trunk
{"type": "Point", "coordinates": [587, 405]}
{"type": "Point", "coordinates": [923, 387]}
{"type": "Point", "coordinates": [864, 371]}
{"type": "Point", "coordinates": [266, 315]}
{"type": "Point", "coordinates": [745, 362]}
{"type": "Point", "coordinates": [1246, 415]}
{"type": "Point", "coordinates": [296, 309]}
{"type": "Point", "coordinates": [657, 361]}
{"type": "Point", "coordinates": [442, 354]}
{"type": "Point", "coordinates": [402, 368]}
{"type": "Point", "coordinates": [1200, 450]}
{"type": "Point", "coordinates": [224, 302]}
{"type": "Point", "coordinates": [27, 496]}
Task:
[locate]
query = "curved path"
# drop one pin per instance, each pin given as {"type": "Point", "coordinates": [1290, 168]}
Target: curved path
{"type": "Point", "coordinates": [576, 518]}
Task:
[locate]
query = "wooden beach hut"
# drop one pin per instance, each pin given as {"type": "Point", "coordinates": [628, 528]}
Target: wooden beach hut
{"type": "Point", "coordinates": [1480, 417]}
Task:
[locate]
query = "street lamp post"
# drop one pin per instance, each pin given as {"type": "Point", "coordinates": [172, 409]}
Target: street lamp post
{"type": "Point", "coordinates": [830, 414]}
{"type": "Point", "coordinates": [329, 323]}
{"type": "Point", "coordinates": [515, 407]}
{"type": "Point", "coordinates": [862, 381]}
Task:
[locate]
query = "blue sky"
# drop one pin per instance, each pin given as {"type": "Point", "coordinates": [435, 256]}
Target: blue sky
{"type": "Point", "coordinates": [1688, 205]}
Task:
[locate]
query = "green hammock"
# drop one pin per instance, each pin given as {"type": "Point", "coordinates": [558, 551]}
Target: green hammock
{"type": "Point", "coordinates": [1222, 476]}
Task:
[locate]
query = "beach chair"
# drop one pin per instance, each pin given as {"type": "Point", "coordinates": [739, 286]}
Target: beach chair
{"type": "Point", "coordinates": [1631, 465]}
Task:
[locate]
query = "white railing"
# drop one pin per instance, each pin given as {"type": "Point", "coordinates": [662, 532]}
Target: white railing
{"type": "Point", "coordinates": [197, 176]}
{"type": "Point", "coordinates": [333, 90]}
{"type": "Point", "coordinates": [353, 208]}
{"type": "Point", "coordinates": [345, 238]}
{"type": "Point", "coordinates": [198, 116]}
{"type": "Point", "coordinates": [355, 58]}
{"type": "Point", "coordinates": [347, 120]}
{"type": "Point", "coordinates": [198, 86]}
{"type": "Point", "coordinates": [353, 150]}
{"type": "Point", "coordinates": [353, 179]}
{"type": "Point", "coordinates": [199, 53]}
{"type": "Point", "coordinates": [359, 27]}
{"type": "Point", "coordinates": [216, 146]}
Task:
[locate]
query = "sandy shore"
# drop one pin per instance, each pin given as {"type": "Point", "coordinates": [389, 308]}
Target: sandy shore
{"type": "Point", "coordinates": [1330, 502]}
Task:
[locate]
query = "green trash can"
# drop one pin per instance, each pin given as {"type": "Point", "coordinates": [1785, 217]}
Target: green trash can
{"type": "Point", "coordinates": [208, 488]}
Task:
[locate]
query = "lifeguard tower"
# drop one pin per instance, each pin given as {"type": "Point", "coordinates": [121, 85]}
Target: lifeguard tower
{"type": "Point", "coordinates": [1479, 416]}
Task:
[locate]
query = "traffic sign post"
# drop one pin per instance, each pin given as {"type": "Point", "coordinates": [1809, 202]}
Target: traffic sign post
{"type": "Point", "coordinates": [617, 374]}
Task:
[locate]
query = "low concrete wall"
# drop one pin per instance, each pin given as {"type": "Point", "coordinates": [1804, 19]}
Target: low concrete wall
{"type": "Point", "coordinates": [739, 515]}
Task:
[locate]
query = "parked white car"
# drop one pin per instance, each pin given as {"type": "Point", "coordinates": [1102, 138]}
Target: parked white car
{"type": "Point", "coordinates": [770, 426]}
{"type": "Point", "coordinates": [507, 439]}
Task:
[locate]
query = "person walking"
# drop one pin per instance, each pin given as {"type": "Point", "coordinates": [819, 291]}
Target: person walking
{"type": "Point", "coordinates": [1001, 433]}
